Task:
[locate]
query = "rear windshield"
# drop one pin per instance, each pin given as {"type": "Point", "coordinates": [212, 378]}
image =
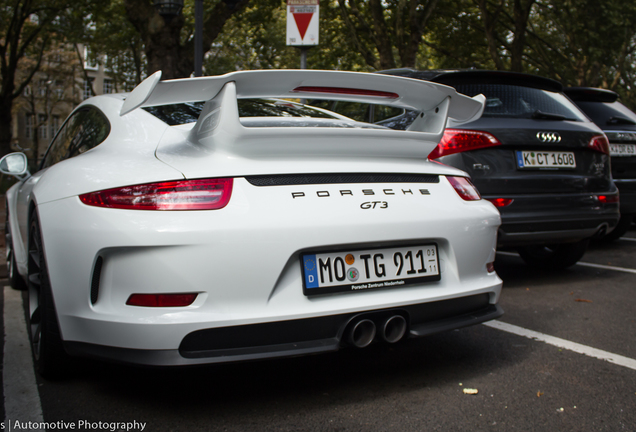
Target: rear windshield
{"type": "Point", "coordinates": [610, 116]}
{"type": "Point", "coordinates": [512, 101]}
{"type": "Point", "coordinates": [358, 111]}
{"type": "Point", "coordinates": [178, 114]}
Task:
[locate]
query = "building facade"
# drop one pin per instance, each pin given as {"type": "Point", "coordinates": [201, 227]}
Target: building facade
{"type": "Point", "coordinates": [67, 76]}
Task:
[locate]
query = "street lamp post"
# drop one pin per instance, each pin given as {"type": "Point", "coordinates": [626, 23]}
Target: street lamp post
{"type": "Point", "coordinates": [198, 38]}
{"type": "Point", "coordinates": [168, 8]}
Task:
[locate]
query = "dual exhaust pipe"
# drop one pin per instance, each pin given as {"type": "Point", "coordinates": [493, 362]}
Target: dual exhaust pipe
{"type": "Point", "coordinates": [362, 332]}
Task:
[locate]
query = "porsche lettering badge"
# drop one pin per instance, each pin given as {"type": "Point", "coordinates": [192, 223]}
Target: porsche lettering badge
{"type": "Point", "coordinates": [363, 192]}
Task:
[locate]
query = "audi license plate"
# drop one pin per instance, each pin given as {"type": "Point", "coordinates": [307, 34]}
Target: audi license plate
{"type": "Point", "coordinates": [545, 159]}
{"type": "Point", "coordinates": [623, 149]}
{"type": "Point", "coordinates": [362, 270]}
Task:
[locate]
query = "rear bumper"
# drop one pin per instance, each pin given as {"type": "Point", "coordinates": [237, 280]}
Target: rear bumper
{"type": "Point", "coordinates": [563, 218]}
{"type": "Point", "coordinates": [627, 189]}
{"type": "Point", "coordinates": [550, 234]}
{"type": "Point", "coordinates": [296, 337]}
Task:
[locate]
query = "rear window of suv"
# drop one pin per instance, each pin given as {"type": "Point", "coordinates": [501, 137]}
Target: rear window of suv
{"type": "Point", "coordinates": [608, 115]}
{"type": "Point", "coordinates": [511, 101]}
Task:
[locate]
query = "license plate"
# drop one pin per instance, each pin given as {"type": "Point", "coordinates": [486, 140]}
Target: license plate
{"type": "Point", "coordinates": [623, 149]}
{"type": "Point", "coordinates": [362, 270]}
{"type": "Point", "coordinates": [545, 159]}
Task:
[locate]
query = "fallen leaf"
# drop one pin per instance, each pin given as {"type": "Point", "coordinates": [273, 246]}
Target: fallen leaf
{"type": "Point", "coordinates": [539, 393]}
{"type": "Point", "coordinates": [582, 300]}
{"type": "Point", "coordinates": [471, 391]}
{"type": "Point", "coordinates": [572, 293]}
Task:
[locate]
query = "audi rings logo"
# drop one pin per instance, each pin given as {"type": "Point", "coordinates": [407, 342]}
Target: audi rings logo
{"type": "Point", "coordinates": [549, 137]}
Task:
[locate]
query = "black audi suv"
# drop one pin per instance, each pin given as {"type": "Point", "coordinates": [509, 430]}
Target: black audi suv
{"type": "Point", "coordinates": [619, 124]}
{"type": "Point", "coordinates": [535, 156]}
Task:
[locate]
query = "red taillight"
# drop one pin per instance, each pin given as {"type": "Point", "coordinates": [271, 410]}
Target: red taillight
{"type": "Point", "coordinates": [161, 300]}
{"type": "Point", "coordinates": [501, 202]}
{"type": "Point", "coordinates": [457, 141]}
{"type": "Point", "coordinates": [200, 194]}
{"type": "Point", "coordinates": [599, 143]}
{"type": "Point", "coordinates": [608, 199]}
{"type": "Point", "coordinates": [346, 91]}
{"type": "Point", "coordinates": [464, 188]}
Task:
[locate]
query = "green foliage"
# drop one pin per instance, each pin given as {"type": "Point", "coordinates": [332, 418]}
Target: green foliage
{"type": "Point", "coordinates": [579, 42]}
{"type": "Point", "coordinates": [455, 38]}
{"type": "Point", "coordinates": [335, 52]}
{"type": "Point", "coordinates": [387, 33]}
{"type": "Point", "coordinates": [586, 43]}
{"type": "Point", "coordinates": [252, 39]}
{"type": "Point", "coordinates": [255, 38]}
{"type": "Point", "coordinates": [111, 38]}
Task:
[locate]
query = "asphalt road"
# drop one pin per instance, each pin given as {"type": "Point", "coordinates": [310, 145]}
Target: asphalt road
{"type": "Point", "coordinates": [523, 384]}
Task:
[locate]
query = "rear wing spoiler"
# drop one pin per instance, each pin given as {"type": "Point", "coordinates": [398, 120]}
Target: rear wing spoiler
{"type": "Point", "coordinates": [437, 104]}
{"type": "Point", "coordinates": [432, 99]}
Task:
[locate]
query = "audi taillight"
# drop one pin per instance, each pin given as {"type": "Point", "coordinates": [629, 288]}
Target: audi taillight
{"type": "Point", "coordinates": [600, 143]}
{"type": "Point", "coordinates": [464, 188]}
{"type": "Point", "coordinates": [457, 141]}
{"type": "Point", "coordinates": [608, 199]}
{"type": "Point", "coordinates": [501, 202]}
{"type": "Point", "coordinates": [199, 194]}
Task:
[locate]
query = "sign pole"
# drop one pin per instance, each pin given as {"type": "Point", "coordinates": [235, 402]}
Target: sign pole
{"type": "Point", "coordinates": [303, 57]}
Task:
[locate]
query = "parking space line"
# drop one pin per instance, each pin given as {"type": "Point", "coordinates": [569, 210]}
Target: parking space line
{"type": "Point", "coordinates": [584, 264]}
{"type": "Point", "coordinates": [565, 344]}
{"type": "Point", "coordinates": [21, 397]}
{"type": "Point", "coordinates": [606, 267]}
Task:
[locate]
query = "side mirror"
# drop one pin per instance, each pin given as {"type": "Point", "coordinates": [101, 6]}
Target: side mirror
{"type": "Point", "coordinates": [14, 164]}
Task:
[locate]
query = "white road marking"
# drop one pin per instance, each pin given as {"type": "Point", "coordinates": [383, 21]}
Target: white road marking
{"type": "Point", "coordinates": [565, 344]}
{"type": "Point", "coordinates": [507, 253]}
{"type": "Point", "coordinates": [628, 239]}
{"type": "Point", "coordinates": [21, 397]}
{"type": "Point", "coordinates": [584, 264]}
{"type": "Point", "coordinates": [606, 267]}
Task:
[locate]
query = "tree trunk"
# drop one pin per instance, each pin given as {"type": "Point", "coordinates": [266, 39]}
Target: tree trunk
{"type": "Point", "coordinates": [521, 14]}
{"type": "Point", "coordinates": [5, 125]}
{"type": "Point", "coordinates": [162, 36]}
{"type": "Point", "coordinates": [490, 24]}
{"type": "Point", "coordinates": [417, 24]}
{"type": "Point", "coordinates": [164, 52]}
{"type": "Point", "coordinates": [381, 36]}
{"type": "Point", "coordinates": [162, 39]}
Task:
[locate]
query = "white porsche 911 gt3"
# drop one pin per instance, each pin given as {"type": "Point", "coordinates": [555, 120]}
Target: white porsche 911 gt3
{"type": "Point", "coordinates": [192, 222]}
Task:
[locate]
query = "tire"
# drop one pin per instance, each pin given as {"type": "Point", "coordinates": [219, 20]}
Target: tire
{"type": "Point", "coordinates": [624, 224]}
{"type": "Point", "coordinates": [15, 280]}
{"type": "Point", "coordinates": [553, 257]}
{"type": "Point", "coordinates": [44, 331]}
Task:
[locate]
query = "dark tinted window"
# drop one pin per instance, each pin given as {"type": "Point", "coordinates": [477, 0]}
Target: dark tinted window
{"type": "Point", "coordinates": [521, 102]}
{"type": "Point", "coordinates": [360, 111]}
{"type": "Point", "coordinates": [85, 128]}
{"type": "Point", "coordinates": [189, 112]}
{"type": "Point", "coordinates": [610, 115]}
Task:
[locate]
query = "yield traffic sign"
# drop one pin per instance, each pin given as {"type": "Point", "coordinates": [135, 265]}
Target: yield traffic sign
{"type": "Point", "coordinates": [302, 22]}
